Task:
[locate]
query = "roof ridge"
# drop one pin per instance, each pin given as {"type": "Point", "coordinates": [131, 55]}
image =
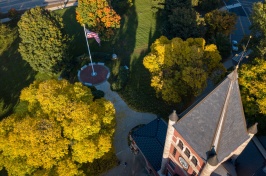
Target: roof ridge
{"type": "Point", "coordinates": [218, 131]}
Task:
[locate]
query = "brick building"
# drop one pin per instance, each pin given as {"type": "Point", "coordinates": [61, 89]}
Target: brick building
{"type": "Point", "coordinates": [206, 139]}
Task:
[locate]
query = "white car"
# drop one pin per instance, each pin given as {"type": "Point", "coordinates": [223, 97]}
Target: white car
{"type": "Point", "coordinates": [234, 45]}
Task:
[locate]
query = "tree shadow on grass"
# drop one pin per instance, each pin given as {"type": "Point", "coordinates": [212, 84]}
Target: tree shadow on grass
{"type": "Point", "coordinates": [138, 93]}
{"type": "Point", "coordinates": [125, 40]}
{"type": "Point", "coordinates": [15, 74]}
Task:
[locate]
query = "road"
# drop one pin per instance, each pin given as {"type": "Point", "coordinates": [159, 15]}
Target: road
{"type": "Point", "coordinates": [6, 5]}
{"type": "Point", "coordinates": [243, 12]}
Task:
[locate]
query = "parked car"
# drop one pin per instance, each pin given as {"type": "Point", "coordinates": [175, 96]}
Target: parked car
{"type": "Point", "coordinates": [234, 45]}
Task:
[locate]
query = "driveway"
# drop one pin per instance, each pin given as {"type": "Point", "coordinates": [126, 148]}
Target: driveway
{"type": "Point", "coordinates": [126, 119]}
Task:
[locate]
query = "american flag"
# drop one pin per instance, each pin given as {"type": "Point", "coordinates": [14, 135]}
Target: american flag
{"type": "Point", "coordinates": [94, 35]}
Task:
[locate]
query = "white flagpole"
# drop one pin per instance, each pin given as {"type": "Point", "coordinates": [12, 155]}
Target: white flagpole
{"type": "Point", "coordinates": [93, 73]}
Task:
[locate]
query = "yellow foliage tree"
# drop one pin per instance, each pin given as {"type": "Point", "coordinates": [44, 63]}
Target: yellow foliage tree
{"type": "Point", "coordinates": [181, 68]}
{"type": "Point", "coordinates": [62, 129]}
{"type": "Point", "coordinates": [252, 79]}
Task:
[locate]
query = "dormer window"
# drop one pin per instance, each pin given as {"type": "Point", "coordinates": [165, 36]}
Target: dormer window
{"type": "Point", "coordinates": [180, 145]}
{"type": "Point", "coordinates": [194, 161]}
{"type": "Point", "coordinates": [187, 153]}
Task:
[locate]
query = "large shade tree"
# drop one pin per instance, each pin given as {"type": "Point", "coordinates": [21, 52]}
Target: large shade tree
{"type": "Point", "coordinates": [99, 17]}
{"type": "Point", "coordinates": [62, 128]}
{"type": "Point", "coordinates": [220, 22]}
{"type": "Point", "coordinates": [258, 28]}
{"type": "Point", "coordinates": [43, 43]}
{"type": "Point", "coordinates": [181, 68]}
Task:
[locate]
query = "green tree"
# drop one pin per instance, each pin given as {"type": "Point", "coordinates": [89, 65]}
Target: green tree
{"type": "Point", "coordinates": [223, 44]}
{"type": "Point", "coordinates": [62, 128]}
{"type": "Point", "coordinates": [43, 43]}
{"type": "Point", "coordinates": [183, 23]}
{"type": "Point", "coordinates": [180, 68]}
{"type": "Point", "coordinates": [99, 17]}
{"type": "Point", "coordinates": [7, 36]}
{"type": "Point", "coordinates": [252, 79]}
{"type": "Point", "coordinates": [218, 21]}
{"type": "Point", "coordinates": [258, 28]}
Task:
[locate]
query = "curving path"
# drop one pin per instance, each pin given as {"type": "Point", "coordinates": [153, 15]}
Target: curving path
{"type": "Point", "coordinates": [126, 119]}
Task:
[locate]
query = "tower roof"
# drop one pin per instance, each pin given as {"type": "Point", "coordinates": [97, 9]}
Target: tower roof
{"type": "Point", "coordinates": [253, 129]}
{"type": "Point", "coordinates": [173, 116]}
{"type": "Point", "coordinates": [216, 121]}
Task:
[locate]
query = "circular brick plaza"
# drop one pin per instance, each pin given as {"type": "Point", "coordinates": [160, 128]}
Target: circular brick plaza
{"type": "Point", "coordinates": [101, 74]}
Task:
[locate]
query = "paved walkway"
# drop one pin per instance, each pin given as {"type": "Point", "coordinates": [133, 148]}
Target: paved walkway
{"type": "Point", "coordinates": [126, 119]}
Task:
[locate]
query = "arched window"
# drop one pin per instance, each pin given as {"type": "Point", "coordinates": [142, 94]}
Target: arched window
{"type": "Point", "coordinates": [194, 161]}
{"type": "Point", "coordinates": [187, 153]}
{"type": "Point", "coordinates": [180, 145]}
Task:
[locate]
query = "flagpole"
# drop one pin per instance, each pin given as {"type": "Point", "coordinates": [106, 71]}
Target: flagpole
{"type": "Point", "coordinates": [93, 73]}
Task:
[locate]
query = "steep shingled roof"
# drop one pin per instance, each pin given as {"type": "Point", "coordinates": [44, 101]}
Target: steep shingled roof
{"type": "Point", "coordinates": [150, 140]}
{"type": "Point", "coordinates": [218, 119]}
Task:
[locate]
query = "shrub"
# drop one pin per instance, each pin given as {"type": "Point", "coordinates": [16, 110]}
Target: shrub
{"type": "Point", "coordinates": [121, 80]}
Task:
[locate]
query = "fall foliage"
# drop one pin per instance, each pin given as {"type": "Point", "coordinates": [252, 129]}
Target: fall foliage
{"type": "Point", "coordinates": [180, 68]}
{"type": "Point", "coordinates": [258, 28]}
{"type": "Point", "coordinates": [62, 128]}
{"type": "Point", "coordinates": [99, 17]}
{"type": "Point", "coordinates": [252, 79]}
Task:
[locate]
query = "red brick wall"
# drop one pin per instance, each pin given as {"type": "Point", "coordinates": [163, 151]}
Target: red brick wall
{"type": "Point", "coordinates": [175, 159]}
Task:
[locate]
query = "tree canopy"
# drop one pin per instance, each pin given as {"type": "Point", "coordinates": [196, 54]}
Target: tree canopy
{"type": "Point", "coordinates": [43, 42]}
{"type": "Point", "coordinates": [99, 17]}
{"type": "Point", "coordinates": [252, 79]}
{"type": "Point", "coordinates": [184, 23]}
{"type": "Point", "coordinates": [181, 68]}
{"type": "Point", "coordinates": [220, 22]}
{"type": "Point", "coordinates": [62, 128]}
{"type": "Point", "coordinates": [258, 28]}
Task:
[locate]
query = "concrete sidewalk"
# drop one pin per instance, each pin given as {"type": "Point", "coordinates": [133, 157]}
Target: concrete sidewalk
{"type": "Point", "coordinates": [126, 119]}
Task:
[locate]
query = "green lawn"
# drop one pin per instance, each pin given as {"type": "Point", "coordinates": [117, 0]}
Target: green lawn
{"type": "Point", "coordinates": [15, 74]}
{"type": "Point", "coordinates": [138, 93]}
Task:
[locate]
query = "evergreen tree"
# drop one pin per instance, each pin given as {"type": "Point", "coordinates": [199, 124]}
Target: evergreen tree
{"type": "Point", "coordinates": [43, 43]}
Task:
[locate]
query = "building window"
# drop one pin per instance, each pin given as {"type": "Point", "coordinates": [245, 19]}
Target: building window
{"type": "Point", "coordinates": [172, 164]}
{"type": "Point", "coordinates": [187, 153]}
{"type": "Point", "coordinates": [174, 152]}
{"type": "Point", "coordinates": [194, 161]}
{"type": "Point", "coordinates": [180, 145]}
